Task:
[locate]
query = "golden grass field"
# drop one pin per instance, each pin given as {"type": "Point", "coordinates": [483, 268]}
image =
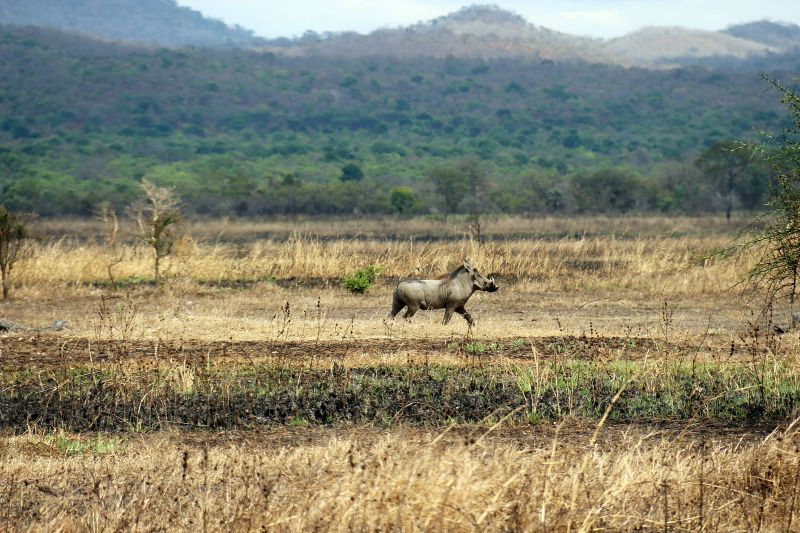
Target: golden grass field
{"type": "Point", "coordinates": [598, 269]}
{"type": "Point", "coordinates": [630, 305]}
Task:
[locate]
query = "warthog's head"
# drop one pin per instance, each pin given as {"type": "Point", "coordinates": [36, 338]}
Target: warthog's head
{"type": "Point", "coordinates": [479, 281]}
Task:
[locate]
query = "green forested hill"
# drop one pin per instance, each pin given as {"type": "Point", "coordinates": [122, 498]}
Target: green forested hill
{"type": "Point", "coordinates": [246, 132]}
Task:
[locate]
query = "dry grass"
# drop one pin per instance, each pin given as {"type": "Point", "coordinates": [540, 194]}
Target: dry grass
{"type": "Point", "coordinates": [277, 283]}
{"type": "Point", "coordinates": [524, 309]}
{"type": "Point", "coordinates": [454, 227]}
{"type": "Point", "coordinates": [631, 479]}
{"type": "Point", "coordinates": [604, 284]}
{"type": "Point", "coordinates": [656, 265]}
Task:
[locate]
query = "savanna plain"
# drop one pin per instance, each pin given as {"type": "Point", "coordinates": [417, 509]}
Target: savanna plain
{"type": "Point", "coordinates": [618, 380]}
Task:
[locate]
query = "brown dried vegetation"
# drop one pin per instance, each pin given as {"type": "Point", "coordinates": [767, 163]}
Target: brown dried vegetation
{"type": "Point", "coordinates": [614, 382]}
{"type": "Point", "coordinates": [405, 479]}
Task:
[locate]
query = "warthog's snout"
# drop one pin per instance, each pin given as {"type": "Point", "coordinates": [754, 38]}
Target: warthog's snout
{"type": "Point", "coordinates": [492, 285]}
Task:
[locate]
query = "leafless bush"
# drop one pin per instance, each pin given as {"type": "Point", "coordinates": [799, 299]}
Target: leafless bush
{"type": "Point", "coordinates": [156, 217]}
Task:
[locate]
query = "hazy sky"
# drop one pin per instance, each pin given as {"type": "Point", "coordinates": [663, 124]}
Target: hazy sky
{"type": "Point", "coordinates": [598, 18]}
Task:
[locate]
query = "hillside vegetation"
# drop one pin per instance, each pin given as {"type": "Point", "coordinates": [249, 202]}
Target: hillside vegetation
{"type": "Point", "coordinates": [82, 121]}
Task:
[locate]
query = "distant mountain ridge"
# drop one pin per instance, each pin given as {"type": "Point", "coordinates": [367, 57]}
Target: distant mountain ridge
{"type": "Point", "coordinates": [149, 22]}
{"type": "Point", "coordinates": [487, 31]}
{"type": "Point", "coordinates": [777, 34]}
{"type": "Point", "coordinates": [83, 120]}
{"type": "Point", "coordinates": [662, 45]}
{"type": "Point", "coordinates": [476, 32]}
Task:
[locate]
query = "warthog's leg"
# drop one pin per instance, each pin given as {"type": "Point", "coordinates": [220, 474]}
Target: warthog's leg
{"type": "Point", "coordinates": [448, 312]}
{"type": "Point", "coordinates": [463, 312]}
{"type": "Point", "coordinates": [397, 306]}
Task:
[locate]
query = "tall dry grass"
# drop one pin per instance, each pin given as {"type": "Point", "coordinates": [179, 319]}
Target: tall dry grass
{"type": "Point", "coordinates": [662, 266]}
{"type": "Point", "coordinates": [630, 479]}
{"type": "Point", "coordinates": [590, 274]}
{"type": "Point", "coordinates": [452, 227]}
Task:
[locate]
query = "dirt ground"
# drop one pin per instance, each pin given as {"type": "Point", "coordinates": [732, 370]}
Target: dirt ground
{"type": "Point", "coordinates": [270, 323]}
{"type": "Point", "coordinates": [515, 310]}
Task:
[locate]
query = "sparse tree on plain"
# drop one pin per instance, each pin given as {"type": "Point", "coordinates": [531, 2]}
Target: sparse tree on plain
{"type": "Point", "coordinates": [156, 217]}
{"type": "Point", "coordinates": [402, 199]}
{"type": "Point", "coordinates": [477, 178]}
{"type": "Point", "coordinates": [108, 216]}
{"type": "Point", "coordinates": [777, 272]}
{"type": "Point", "coordinates": [734, 170]}
{"type": "Point", "coordinates": [14, 233]}
{"type": "Point", "coordinates": [450, 185]}
{"type": "Point", "coordinates": [463, 186]}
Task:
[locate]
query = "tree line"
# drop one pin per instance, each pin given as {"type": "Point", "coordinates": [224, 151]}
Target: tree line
{"type": "Point", "coordinates": [724, 177]}
{"type": "Point", "coordinates": [242, 132]}
{"type": "Point", "coordinates": [734, 168]}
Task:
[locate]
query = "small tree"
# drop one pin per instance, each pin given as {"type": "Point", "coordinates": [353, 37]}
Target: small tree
{"type": "Point", "coordinates": [402, 199]}
{"type": "Point", "coordinates": [476, 177]}
{"type": "Point", "coordinates": [732, 168]}
{"type": "Point", "coordinates": [107, 214]}
{"type": "Point", "coordinates": [351, 172]}
{"type": "Point", "coordinates": [13, 235]}
{"type": "Point", "coordinates": [451, 185]}
{"type": "Point", "coordinates": [156, 216]}
{"type": "Point", "coordinates": [609, 189]}
{"type": "Point", "coordinates": [461, 186]}
{"type": "Point", "coordinates": [775, 274]}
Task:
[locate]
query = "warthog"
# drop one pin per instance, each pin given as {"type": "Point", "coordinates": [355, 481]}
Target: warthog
{"type": "Point", "coordinates": [449, 293]}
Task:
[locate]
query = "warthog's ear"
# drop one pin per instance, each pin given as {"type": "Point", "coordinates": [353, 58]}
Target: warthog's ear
{"type": "Point", "coordinates": [468, 266]}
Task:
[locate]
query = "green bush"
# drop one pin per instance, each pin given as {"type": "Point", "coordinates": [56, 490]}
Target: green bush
{"type": "Point", "coordinates": [402, 199]}
{"type": "Point", "coordinates": [362, 279]}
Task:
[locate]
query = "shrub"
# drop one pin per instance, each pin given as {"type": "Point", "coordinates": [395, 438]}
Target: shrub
{"type": "Point", "coordinates": [155, 216]}
{"type": "Point", "coordinates": [351, 172]}
{"type": "Point", "coordinates": [402, 199]}
{"type": "Point", "coordinates": [362, 279]}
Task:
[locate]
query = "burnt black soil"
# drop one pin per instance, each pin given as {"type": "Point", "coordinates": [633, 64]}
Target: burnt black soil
{"type": "Point", "coordinates": [52, 382]}
{"type": "Point", "coordinates": [41, 351]}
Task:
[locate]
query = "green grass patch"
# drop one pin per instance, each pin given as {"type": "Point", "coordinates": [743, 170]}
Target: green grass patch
{"type": "Point", "coordinates": [79, 445]}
